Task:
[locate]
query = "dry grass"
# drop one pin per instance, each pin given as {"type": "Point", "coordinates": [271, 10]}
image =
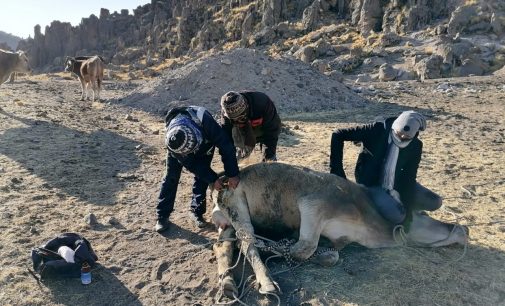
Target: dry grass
{"type": "Point", "coordinates": [245, 8]}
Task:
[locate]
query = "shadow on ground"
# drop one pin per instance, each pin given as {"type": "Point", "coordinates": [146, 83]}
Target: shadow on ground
{"type": "Point", "coordinates": [105, 289]}
{"type": "Point", "coordinates": [88, 166]}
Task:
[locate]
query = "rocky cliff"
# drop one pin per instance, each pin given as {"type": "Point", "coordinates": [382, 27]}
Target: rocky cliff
{"type": "Point", "coordinates": [8, 41]}
{"type": "Point", "coordinates": [315, 29]}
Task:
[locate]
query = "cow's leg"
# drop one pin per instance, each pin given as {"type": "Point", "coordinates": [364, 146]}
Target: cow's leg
{"type": "Point", "coordinates": [310, 228]}
{"type": "Point", "coordinates": [88, 85]}
{"type": "Point", "coordinates": [93, 88]}
{"type": "Point", "coordinates": [223, 249]}
{"type": "Point", "coordinates": [83, 88]}
{"type": "Point", "coordinates": [99, 83]}
{"type": "Point", "coordinates": [241, 221]}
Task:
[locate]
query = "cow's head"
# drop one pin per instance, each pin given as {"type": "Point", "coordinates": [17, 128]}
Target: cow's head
{"type": "Point", "coordinates": [22, 64]}
{"type": "Point", "coordinates": [69, 64]}
{"type": "Point", "coordinates": [426, 231]}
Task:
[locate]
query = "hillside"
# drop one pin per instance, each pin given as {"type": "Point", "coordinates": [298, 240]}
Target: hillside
{"type": "Point", "coordinates": [9, 39]}
{"type": "Point", "coordinates": [366, 40]}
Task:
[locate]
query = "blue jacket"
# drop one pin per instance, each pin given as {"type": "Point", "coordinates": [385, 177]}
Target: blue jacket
{"type": "Point", "coordinates": [213, 136]}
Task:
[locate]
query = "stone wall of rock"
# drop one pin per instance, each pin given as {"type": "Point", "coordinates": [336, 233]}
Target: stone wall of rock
{"type": "Point", "coordinates": [172, 28]}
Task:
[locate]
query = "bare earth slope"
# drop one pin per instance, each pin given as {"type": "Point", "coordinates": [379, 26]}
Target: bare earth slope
{"type": "Point", "coordinates": [292, 85]}
{"type": "Point", "coordinates": [61, 159]}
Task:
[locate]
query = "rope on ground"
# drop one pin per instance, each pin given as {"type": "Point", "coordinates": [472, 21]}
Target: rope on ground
{"type": "Point", "coordinates": [279, 248]}
{"type": "Point", "coordinates": [400, 237]}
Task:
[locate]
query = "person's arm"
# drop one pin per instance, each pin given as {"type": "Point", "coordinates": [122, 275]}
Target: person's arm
{"type": "Point", "coordinates": [262, 106]}
{"type": "Point", "coordinates": [271, 129]}
{"type": "Point", "coordinates": [406, 183]}
{"type": "Point", "coordinates": [218, 137]}
{"type": "Point", "coordinates": [226, 125]}
{"type": "Point", "coordinates": [338, 137]}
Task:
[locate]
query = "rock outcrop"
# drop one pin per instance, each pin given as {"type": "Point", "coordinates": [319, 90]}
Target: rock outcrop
{"type": "Point", "coordinates": [173, 28]}
{"type": "Point", "coordinates": [330, 35]}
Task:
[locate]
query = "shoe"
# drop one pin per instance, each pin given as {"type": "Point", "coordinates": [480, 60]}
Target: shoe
{"type": "Point", "coordinates": [197, 219]}
{"type": "Point", "coordinates": [162, 225]}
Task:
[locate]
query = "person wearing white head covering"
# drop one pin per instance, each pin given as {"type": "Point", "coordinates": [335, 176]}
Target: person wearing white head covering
{"type": "Point", "coordinates": [191, 138]}
{"type": "Point", "coordinates": [388, 164]}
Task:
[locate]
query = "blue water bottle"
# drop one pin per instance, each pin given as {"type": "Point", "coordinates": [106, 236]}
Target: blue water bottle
{"type": "Point", "coordinates": [85, 273]}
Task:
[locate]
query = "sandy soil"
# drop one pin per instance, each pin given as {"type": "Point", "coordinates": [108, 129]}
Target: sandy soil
{"type": "Point", "coordinates": [61, 159]}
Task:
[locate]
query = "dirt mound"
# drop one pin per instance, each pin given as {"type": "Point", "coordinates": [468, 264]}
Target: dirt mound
{"type": "Point", "coordinates": [293, 85]}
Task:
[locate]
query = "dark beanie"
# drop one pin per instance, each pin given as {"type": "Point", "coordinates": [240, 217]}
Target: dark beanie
{"type": "Point", "coordinates": [183, 136]}
{"type": "Point", "coordinates": [233, 104]}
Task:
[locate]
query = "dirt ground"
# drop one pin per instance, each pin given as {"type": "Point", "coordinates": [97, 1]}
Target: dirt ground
{"type": "Point", "coordinates": [61, 159]}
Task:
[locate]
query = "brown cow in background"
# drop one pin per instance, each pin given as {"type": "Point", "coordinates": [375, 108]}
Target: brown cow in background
{"type": "Point", "coordinates": [90, 73]}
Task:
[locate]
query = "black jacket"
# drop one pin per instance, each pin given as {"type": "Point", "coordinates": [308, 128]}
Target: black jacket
{"type": "Point", "coordinates": [213, 136]}
{"type": "Point", "coordinates": [262, 112]}
{"type": "Point", "coordinates": [369, 167]}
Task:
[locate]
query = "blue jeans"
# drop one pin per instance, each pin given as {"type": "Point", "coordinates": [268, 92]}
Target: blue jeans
{"type": "Point", "coordinates": [170, 182]}
{"type": "Point", "coordinates": [392, 210]}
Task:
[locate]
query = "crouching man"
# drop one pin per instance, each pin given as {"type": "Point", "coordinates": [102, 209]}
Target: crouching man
{"type": "Point", "coordinates": [191, 137]}
{"type": "Point", "coordinates": [251, 116]}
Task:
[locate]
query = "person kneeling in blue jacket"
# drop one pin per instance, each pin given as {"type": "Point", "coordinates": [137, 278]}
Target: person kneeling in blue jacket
{"type": "Point", "coordinates": [191, 137]}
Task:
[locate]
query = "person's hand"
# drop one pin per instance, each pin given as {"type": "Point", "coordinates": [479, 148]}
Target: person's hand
{"type": "Point", "coordinates": [218, 184]}
{"type": "Point", "coordinates": [233, 182]}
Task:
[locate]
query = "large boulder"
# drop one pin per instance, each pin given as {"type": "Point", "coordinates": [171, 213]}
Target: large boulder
{"type": "Point", "coordinates": [429, 68]}
{"type": "Point", "coordinates": [370, 17]}
{"type": "Point", "coordinates": [273, 10]}
{"type": "Point", "coordinates": [498, 23]}
{"type": "Point", "coordinates": [346, 63]}
{"type": "Point", "coordinates": [471, 66]}
{"type": "Point", "coordinates": [208, 37]}
{"type": "Point", "coordinates": [387, 73]}
{"type": "Point", "coordinates": [311, 16]}
{"type": "Point", "coordinates": [461, 18]}
{"type": "Point", "coordinates": [306, 54]}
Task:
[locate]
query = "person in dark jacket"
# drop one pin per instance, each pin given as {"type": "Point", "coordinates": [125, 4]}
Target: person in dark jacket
{"type": "Point", "coordinates": [388, 163]}
{"type": "Point", "coordinates": [253, 116]}
{"type": "Point", "coordinates": [192, 135]}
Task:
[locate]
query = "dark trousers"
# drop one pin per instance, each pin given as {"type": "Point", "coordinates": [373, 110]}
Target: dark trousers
{"type": "Point", "coordinates": [198, 202]}
{"type": "Point", "coordinates": [170, 182]}
{"type": "Point", "coordinates": [394, 211]}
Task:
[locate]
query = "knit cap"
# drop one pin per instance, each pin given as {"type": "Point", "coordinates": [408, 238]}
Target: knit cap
{"type": "Point", "coordinates": [233, 104]}
{"type": "Point", "coordinates": [183, 135]}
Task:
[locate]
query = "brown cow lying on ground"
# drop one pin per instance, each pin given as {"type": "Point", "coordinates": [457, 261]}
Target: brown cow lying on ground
{"type": "Point", "coordinates": [11, 62]}
{"type": "Point", "coordinates": [90, 73]}
{"type": "Point", "coordinates": [280, 198]}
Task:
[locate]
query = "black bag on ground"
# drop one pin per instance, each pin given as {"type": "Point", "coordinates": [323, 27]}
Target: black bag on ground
{"type": "Point", "coordinates": [49, 264]}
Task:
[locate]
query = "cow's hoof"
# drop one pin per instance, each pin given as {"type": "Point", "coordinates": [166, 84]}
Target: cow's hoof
{"type": "Point", "coordinates": [229, 287]}
{"type": "Point", "coordinates": [267, 288]}
{"type": "Point", "coordinates": [302, 250]}
{"type": "Point", "coordinates": [327, 259]}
